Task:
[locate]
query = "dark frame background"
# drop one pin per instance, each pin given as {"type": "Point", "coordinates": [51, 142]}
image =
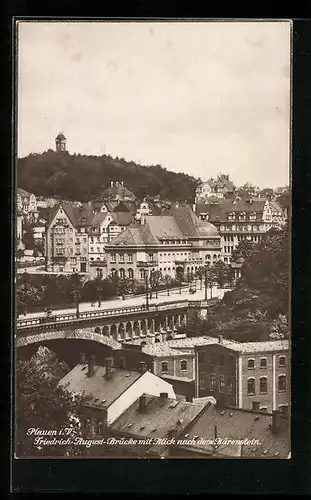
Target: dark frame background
{"type": "Point", "coordinates": [179, 476]}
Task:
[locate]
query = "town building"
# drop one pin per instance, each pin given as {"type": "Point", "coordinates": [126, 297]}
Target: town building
{"type": "Point", "coordinates": [219, 188]}
{"type": "Point", "coordinates": [237, 220]}
{"type": "Point", "coordinates": [117, 193]}
{"type": "Point", "coordinates": [110, 391]}
{"type": "Point", "coordinates": [60, 143]}
{"type": "Point", "coordinates": [76, 236]}
{"type": "Point", "coordinates": [229, 432]}
{"type": "Point", "coordinates": [249, 375]}
{"type": "Point", "coordinates": [175, 244]}
{"type": "Point", "coordinates": [155, 422]}
{"type": "Point", "coordinates": [27, 204]}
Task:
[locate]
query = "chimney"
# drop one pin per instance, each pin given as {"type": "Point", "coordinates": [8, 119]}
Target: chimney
{"type": "Point", "coordinates": [215, 431]}
{"type": "Point", "coordinates": [163, 396]}
{"type": "Point", "coordinates": [143, 366]}
{"type": "Point", "coordinates": [83, 357]}
{"type": "Point", "coordinates": [220, 339]}
{"type": "Point", "coordinates": [90, 366]}
{"type": "Point", "coordinates": [108, 368]}
{"type": "Point", "coordinates": [142, 403]}
{"type": "Point", "coordinates": [111, 183]}
{"type": "Point", "coordinates": [275, 421]}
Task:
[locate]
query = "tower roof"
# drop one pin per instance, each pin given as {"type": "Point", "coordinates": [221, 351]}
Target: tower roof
{"type": "Point", "coordinates": [61, 136]}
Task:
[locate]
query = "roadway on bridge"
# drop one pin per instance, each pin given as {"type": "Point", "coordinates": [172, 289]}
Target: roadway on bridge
{"type": "Point", "coordinates": [136, 301]}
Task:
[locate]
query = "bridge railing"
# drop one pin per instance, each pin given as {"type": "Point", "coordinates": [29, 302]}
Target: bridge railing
{"type": "Point", "coordinates": [119, 311]}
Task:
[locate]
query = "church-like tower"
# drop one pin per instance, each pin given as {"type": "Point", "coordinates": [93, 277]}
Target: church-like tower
{"type": "Point", "coordinates": [60, 142]}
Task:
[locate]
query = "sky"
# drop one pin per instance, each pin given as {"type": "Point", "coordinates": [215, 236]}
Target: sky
{"type": "Point", "coordinates": [201, 98]}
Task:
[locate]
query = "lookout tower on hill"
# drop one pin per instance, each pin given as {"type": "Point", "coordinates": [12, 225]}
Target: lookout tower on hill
{"type": "Point", "coordinates": [60, 142]}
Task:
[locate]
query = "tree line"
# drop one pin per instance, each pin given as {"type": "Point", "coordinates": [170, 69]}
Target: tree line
{"type": "Point", "coordinates": [84, 177]}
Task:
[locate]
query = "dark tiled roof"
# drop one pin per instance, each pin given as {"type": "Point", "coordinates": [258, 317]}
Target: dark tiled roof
{"type": "Point", "coordinates": [239, 424]}
{"type": "Point", "coordinates": [48, 213]}
{"type": "Point", "coordinates": [219, 211]}
{"type": "Point", "coordinates": [122, 218]}
{"type": "Point", "coordinates": [159, 417]}
{"type": "Point", "coordinates": [61, 136]}
{"type": "Point", "coordinates": [190, 224]}
{"type": "Point", "coordinates": [117, 190]}
{"type": "Point", "coordinates": [97, 385]}
{"type": "Point", "coordinates": [135, 235]}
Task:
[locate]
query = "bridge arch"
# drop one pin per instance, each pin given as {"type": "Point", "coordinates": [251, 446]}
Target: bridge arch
{"type": "Point", "coordinates": [128, 330]}
{"type": "Point", "coordinates": [121, 331]}
{"type": "Point", "coordinates": [113, 331]}
{"type": "Point", "coordinates": [106, 330]}
{"type": "Point", "coordinates": [136, 328]}
{"type": "Point", "coordinates": [97, 329]}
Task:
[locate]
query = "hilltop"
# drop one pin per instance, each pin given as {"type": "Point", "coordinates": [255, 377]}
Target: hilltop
{"type": "Point", "coordinates": [82, 177]}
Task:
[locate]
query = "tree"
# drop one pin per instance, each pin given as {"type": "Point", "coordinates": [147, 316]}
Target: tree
{"type": "Point", "coordinates": [244, 250]}
{"type": "Point", "coordinates": [27, 293]}
{"type": "Point", "coordinates": [222, 273]}
{"type": "Point", "coordinates": [42, 404]}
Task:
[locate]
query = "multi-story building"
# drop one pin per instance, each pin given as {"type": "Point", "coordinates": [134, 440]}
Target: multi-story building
{"type": "Point", "coordinates": [117, 193]}
{"type": "Point", "coordinates": [76, 236]}
{"type": "Point", "coordinates": [27, 204]}
{"type": "Point", "coordinates": [67, 239]}
{"type": "Point", "coordinates": [219, 188]}
{"type": "Point", "coordinates": [175, 244]}
{"type": "Point", "coordinates": [250, 375]}
{"type": "Point", "coordinates": [237, 220]}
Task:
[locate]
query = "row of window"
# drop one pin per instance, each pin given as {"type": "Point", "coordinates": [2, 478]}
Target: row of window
{"type": "Point", "coordinates": [263, 362]}
{"type": "Point", "coordinates": [263, 385]}
{"type": "Point", "coordinates": [121, 257]}
{"type": "Point", "coordinates": [183, 366]}
{"type": "Point", "coordinates": [210, 382]}
{"type": "Point", "coordinates": [122, 274]}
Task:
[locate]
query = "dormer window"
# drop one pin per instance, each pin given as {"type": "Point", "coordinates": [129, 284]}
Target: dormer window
{"type": "Point", "coordinates": [252, 216]}
{"type": "Point", "coordinates": [231, 216]}
{"type": "Point", "coordinates": [242, 216]}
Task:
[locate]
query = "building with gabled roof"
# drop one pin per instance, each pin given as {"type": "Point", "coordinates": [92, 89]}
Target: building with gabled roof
{"type": "Point", "coordinates": [240, 219]}
{"type": "Point", "coordinates": [175, 243]}
{"type": "Point", "coordinates": [153, 423]}
{"type": "Point", "coordinates": [219, 188]}
{"type": "Point", "coordinates": [110, 391]}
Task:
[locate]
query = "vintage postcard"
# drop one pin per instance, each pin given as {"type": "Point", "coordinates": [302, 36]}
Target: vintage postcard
{"type": "Point", "coordinates": [152, 244]}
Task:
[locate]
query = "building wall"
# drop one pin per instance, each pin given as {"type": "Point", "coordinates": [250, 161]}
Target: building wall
{"type": "Point", "coordinates": [146, 384]}
{"type": "Point", "coordinates": [174, 366]}
{"type": "Point", "coordinates": [237, 371]}
{"type": "Point", "coordinates": [217, 363]}
{"type": "Point", "coordinates": [66, 246]}
{"type": "Point", "coordinates": [273, 398]}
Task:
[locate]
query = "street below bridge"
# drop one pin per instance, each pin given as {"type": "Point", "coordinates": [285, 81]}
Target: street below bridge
{"type": "Point", "coordinates": [163, 297]}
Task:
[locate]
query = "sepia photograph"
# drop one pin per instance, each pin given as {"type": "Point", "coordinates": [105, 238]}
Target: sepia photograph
{"type": "Point", "coordinates": [152, 239]}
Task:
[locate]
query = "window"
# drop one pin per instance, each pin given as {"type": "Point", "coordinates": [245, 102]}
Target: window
{"type": "Point", "coordinates": [130, 274]}
{"type": "Point", "coordinates": [283, 409]}
{"type": "Point", "coordinates": [212, 383]}
{"type": "Point", "coordinates": [142, 274]}
{"type": "Point", "coordinates": [264, 409]}
{"type": "Point", "coordinates": [263, 362]}
{"type": "Point", "coordinates": [121, 257]}
{"type": "Point", "coordinates": [251, 363]}
{"type": "Point", "coordinates": [263, 385]}
{"type": "Point", "coordinates": [98, 249]}
{"type": "Point", "coordinates": [222, 384]}
{"type": "Point", "coordinates": [230, 386]}
{"type": "Point", "coordinates": [282, 383]}
{"type": "Point", "coordinates": [84, 240]}
{"type": "Point", "coordinates": [183, 365]}
{"type": "Point", "coordinates": [255, 405]}
{"type": "Point", "coordinates": [281, 360]}
{"type": "Point", "coordinates": [122, 273]}
{"type": "Point", "coordinates": [250, 386]}
{"type": "Point", "coordinates": [164, 366]}
{"type": "Point", "coordinates": [113, 257]}
{"type": "Point", "coordinates": [203, 381]}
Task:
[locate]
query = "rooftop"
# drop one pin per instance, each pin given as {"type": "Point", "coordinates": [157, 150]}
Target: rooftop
{"type": "Point", "coordinates": [239, 424]}
{"type": "Point", "coordinates": [104, 391]}
{"type": "Point", "coordinates": [159, 417]}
